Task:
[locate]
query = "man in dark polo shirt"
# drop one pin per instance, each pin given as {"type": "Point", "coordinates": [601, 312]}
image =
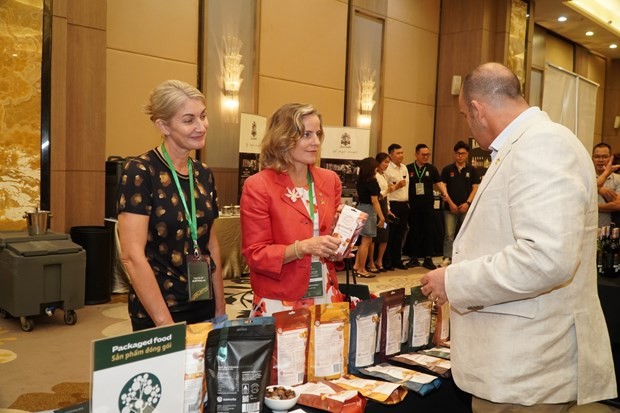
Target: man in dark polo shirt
{"type": "Point", "coordinates": [462, 182]}
{"type": "Point", "coordinates": [423, 177]}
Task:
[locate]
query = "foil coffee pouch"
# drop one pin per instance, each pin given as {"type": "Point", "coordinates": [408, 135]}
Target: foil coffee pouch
{"type": "Point", "coordinates": [419, 320]}
{"type": "Point", "coordinates": [391, 323]}
{"type": "Point", "coordinates": [237, 362]}
{"type": "Point", "coordinates": [288, 366]}
{"type": "Point", "coordinates": [195, 380]}
{"type": "Point", "coordinates": [329, 341]}
{"type": "Point", "coordinates": [442, 325]}
{"type": "Point", "coordinates": [364, 329]}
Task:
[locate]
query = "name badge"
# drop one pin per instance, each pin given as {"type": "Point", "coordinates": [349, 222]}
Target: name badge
{"type": "Point", "coordinates": [315, 286]}
{"type": "Point", "coordinates": [419, 188]}
{"type": "Point", "coordinates": [199, 278]}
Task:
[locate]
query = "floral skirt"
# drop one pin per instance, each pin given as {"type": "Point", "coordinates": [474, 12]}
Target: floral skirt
{"type": "Point", "coordinates": [262, 306]}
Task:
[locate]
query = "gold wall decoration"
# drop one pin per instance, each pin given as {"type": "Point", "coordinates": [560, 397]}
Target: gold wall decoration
{"type": "Point", "coordinates": [517, 39]}
{"type": "Point", "coordinates": [20, 110]}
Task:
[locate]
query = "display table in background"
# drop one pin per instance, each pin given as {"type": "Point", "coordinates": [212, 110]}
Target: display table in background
{"type": "Point", "coordinates": [228, 232]}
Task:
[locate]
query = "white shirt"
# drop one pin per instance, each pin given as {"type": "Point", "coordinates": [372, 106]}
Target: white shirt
{"type": "Point", "coordinates": [395, 174]}
{"type": "Point", "coordinates": [501, 138]}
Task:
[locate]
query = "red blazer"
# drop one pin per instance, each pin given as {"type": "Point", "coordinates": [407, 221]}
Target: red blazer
{"type": "Point", "coordinates": [270, 221]}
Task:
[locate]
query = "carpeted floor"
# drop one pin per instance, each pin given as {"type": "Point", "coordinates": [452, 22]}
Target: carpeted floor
{"type": "Point", "coordinates": [49, 367]}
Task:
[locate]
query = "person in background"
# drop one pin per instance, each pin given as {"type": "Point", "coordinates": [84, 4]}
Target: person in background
{"type": "Point", "coordinates": [526, 325]}
{"type": "Point", "coordinates": [397, 176]}
{"type": "Point", "coordinates": [424, 177]}
{"type": "Point", "coordinates": [287, 215]}
{"type": "Point", "coordinates": [609, 192]}
{"type": "Point", "coordinates": [167, 205]}
{"type": "Point", "coordinates": [368, 193]}
{"type": "Point", "coordinates": [379, 243]}
{"type": "Point", "coordinates": [461, 181]}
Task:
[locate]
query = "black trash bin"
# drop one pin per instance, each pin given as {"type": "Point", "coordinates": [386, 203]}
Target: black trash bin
{"type": "Point", "coordinates": [97, 241]}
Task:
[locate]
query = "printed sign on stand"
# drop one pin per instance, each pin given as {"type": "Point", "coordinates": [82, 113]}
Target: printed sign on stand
{"type": "Point", "coordinates": [139, 372]}
{"type": "Point", "coordinates": [251, 132]}
{"type": "Point", "coordinates": [341, 151]}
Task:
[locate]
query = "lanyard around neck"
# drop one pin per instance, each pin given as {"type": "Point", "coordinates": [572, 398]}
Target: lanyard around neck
{"type": "Point", "coordinates": [418, 172]}
{"type": "Point", "coordinates": [191, 218]}
{"type": "Point", "coordinates": [311, 196]}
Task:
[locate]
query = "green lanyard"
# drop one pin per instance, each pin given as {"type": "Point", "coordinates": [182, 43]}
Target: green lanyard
{"type": "Point", "coordinates": [311, 196]}
{"type": "Point", "coordinates": [191, 219]}
{"type": "Point", "coordinates": [418, 173]}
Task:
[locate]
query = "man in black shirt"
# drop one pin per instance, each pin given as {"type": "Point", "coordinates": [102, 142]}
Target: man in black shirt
{"type": "Point", "coordinates": [423, 176]}
{"type": "Point", "coordinates": [462, 182]}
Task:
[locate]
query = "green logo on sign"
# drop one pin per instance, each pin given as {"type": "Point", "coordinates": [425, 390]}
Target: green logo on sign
{"type": "Point", "coordinates": [141, 394]}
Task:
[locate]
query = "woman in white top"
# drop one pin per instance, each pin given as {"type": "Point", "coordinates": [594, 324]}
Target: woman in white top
{"type": "Point", "coordinates": [380, 241]}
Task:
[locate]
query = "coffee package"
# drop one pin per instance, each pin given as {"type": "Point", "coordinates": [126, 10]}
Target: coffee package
{"type": "Point", "coordinates": [291, 347]}
{"type": "Point", "coordinates": [391, 323]}
{"type": "Point", "coordinates": [364, 330]}
{"type": "Point", "coordinates": [238, 361]}
{"type": "Point", "coordinates": [329, 341]}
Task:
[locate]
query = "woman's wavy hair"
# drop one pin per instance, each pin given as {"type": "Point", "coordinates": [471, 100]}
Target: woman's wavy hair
{"type": "Point", "coordinates": [284, 128]}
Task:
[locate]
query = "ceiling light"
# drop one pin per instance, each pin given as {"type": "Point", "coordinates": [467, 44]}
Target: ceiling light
{"type": "Point", "coordinates": [613, 46]}
{"type": "Point", "coordinates": [604, 12]}
{"type": "Point", "coordinates": [562, 19]}
{"type": "Point", "coordinates": [589, 33]}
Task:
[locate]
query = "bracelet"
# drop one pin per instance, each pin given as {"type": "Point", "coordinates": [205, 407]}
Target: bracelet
{"type": "Point", "coordinates": [468, 203]}
{"type": "Point", "coordinates": [296, 250]}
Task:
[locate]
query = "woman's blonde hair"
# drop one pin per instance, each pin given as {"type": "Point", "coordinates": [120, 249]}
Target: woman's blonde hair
{"type": "Point", "coordinates": [166, 99]}
{"type": "Point", "coordinates": [284, 128]}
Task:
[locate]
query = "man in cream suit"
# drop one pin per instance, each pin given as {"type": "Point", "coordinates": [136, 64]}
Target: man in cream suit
{"type": "Point", "coordinates": [527, 329]}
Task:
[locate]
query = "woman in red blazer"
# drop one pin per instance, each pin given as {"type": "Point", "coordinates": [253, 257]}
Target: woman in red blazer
{"type": "Point", "coordinates": [287, 239]}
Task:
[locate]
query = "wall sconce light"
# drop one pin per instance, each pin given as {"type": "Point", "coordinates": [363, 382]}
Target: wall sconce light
{"type": "Point", "coordinates": [232, 77]}
{"type": "Point", "coordinates": [367, 93]}
{"type": "Point", "coordinates": [617, 122]}
{"type": "Point", "coordinates": [455, 87]}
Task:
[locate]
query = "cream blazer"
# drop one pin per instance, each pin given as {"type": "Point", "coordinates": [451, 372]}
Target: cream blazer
{"type": "Point", "coordinates": [526, 321]}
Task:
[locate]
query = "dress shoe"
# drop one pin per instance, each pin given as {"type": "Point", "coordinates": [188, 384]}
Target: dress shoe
{"type": "Point", "coordinates": [400, 266]}
{"type": "Point", "coordinates": [413, 263]}
{"type": "Point", "coordinates": [388, 268]}
{"type": "Point", "coordinates": [446, 261]}
{"type": "Point", "coordinates": [428, 263]}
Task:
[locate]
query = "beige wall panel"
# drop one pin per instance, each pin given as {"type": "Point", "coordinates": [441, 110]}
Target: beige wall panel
{"type": "Point", "coordinates": [407, 124]}
{"type": "Point", "coordinates": [274, 93]}
{"type": "Point", "coordinates": [58, 206]}
{"type": "Point", "coordinates": [559, 53]}
{"type": "Point", "coordinates": [155, 27]}
{"type": "Point", "coordinates": [423, 13]}
{"type": "Point", "coordinates": [88, 13]}
{"type": "Point", "coordinates": [58, 107]}
{"type": "Point", "coordinates": [596, 73]}
{"type": "Point", "coordinates": [538, 47]}
{"type": "Point", "coordinates": [59, 8]}
{"type": "Point", "coordinates": [85, 207]}
{"type": "Point", "coordinates": [130, 79]}
{"type": "Point", "coordinates": [86, 96]}
{"type": "Point", "coordinates": [410, 63]}
{"type": "Point", "coordinates": [227, 182]}
{"type": "Point", "coordinates": [612, 105]}
{"type": "Point", "coordinates": [293, 47]}
{"type": "Point", "coordinates": [460, 16]}
{"type": "Point", "coordinates": [379, 8]}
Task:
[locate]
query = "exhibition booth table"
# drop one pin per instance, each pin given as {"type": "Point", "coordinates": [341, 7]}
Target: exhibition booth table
{"type": "Point", "coordinates": [228, 232]}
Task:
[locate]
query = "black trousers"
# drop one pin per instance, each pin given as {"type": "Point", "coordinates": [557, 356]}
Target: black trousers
{"type": "Point", "coordinates": [420, 237]}
{"type": "Point", "coordinates": [397, 232]}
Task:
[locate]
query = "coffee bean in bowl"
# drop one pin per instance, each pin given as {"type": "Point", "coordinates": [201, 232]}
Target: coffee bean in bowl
{"type": "Point", "coordinates": [280, 398]}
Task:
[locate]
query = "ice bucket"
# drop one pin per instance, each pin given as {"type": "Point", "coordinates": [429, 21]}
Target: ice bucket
{"type": "Point", "coordinates": [37, 221]}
